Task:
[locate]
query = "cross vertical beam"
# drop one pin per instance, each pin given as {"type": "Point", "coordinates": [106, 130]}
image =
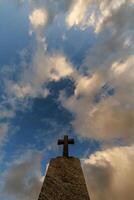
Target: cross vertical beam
{"type": "Point", "coordinates": [65, 142]}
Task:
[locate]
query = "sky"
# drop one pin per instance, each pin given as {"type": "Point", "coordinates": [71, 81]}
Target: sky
{"type": "Point", "coordinates": [66, 67]}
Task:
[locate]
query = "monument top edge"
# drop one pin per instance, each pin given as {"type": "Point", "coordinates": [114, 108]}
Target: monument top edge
{"type": "Point", "coordinates": [65, 158]}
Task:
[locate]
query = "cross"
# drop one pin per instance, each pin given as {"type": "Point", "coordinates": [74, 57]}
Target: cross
{"type": "Point", "coordinates": [65, 142]}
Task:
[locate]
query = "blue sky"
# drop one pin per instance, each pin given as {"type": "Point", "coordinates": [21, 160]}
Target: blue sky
{"type": "Point", "coordinates": [65, 68]}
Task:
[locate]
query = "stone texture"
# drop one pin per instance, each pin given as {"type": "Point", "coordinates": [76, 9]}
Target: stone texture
{"type": "Point", "coordinates": [64, 181]}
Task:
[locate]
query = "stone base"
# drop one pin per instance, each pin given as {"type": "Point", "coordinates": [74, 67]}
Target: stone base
{"type": "Point", "coordinates": [64, 181]}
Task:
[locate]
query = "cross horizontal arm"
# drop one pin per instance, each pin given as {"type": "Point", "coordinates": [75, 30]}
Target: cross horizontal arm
{"type": "Point", "coordinates": [71, 141]}
{"type": "Point", "coordinates": [60, 142]}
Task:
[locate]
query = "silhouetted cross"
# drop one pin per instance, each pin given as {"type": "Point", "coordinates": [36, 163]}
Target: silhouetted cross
{"type": "Point", "coordinates": [65, 142]}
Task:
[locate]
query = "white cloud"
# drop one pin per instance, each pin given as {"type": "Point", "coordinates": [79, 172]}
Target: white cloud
{"type": "Point", "coordinates": [45, 68]}
{"type": "Point", "coordinates": [77, 12]}
{"type": "Point", "coordinates": [50, 67]}
{"type": "Point", "coordinates": [86, 85]}
{"type": "Point", "coordinates": [38, 18]}
{"type": "Point", "coordinates": [61, 67]}
{"type": "Point", "coordinates": [112, 117]}
{"type": "Point", "coordinates": [93, 13]}
{"type": "Point", "coordinates": [21, 91]}
{"type": "Point", "coordinates": [109, 174]}
{"type": "Point", "coordinates": [106, 10]}
{"type": "Point", "coordinates": [123, 68]}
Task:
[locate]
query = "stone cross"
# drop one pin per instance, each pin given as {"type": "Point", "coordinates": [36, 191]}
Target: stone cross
{"type": "Point", "coordinates": [64, 178]}
{"type": "Point", "coordinates": [65, 143]}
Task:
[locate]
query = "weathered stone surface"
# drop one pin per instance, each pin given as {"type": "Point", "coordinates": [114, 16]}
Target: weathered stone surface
{"type": "Point", "coordinates": [64, 181]}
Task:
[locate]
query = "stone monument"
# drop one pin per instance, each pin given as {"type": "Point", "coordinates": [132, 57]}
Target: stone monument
{"type": "Point", "coordinates": [64, 178]}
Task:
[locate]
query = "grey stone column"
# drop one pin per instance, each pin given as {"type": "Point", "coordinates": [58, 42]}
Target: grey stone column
{"type": "Point", "coordinates": [64, 181]}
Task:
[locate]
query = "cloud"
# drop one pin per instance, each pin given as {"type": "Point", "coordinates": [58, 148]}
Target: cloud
{"type": "Point", "coordinates": [34, 78]}
{"type": "Point", "coordinates": [115, 36]}
{"type": "Point", "coordinates": [77, 12]}
{"type": "Point", "coordinates": [44, 67]}
{"type": "Point", "coordinates": [38, 18]}
{"type": "Point", "coordinates": [23, 180]}
{"type": "Point", "coordinates": [110, 118]}
{"type": "Point", "coordinates": [86, 85]}
{"type": "Point", "coordinates": [108, 64]}
{"type": "Point", "coordinates": [93, 13]}
{"type": "Point", "coordinates": [22, 91]}
{"type": "Point", "coordinates": [4, 127]}
{"type": "Point", "coordinates": [26, 90]}
{"type": "Point", "coordinates": [61, 67]}
{"type": "Point", "coordinates": [116, 12]}
{"type": "Point", "coordinates": [109, 174]}
{"type": "Point", "coordinates": [105, 10]}
{"type": "Point", "coordinates": [4, 113]}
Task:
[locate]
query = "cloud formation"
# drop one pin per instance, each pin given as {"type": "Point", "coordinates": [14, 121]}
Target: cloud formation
{"type": "Point", "coordinates": [99, 113]}
{"type": "Point", "coordinates": [76, 12]}
{"type": "Point", "coordinates": [45, 68]}
{"type": "Point", "coordinates": [38, 18]}
{"type": "Point", "coordinates": [23, 180]}
{"type": "Point", "coordinates": [109, 174]}
{"type": "Point", "coordinates": [4, 128]}
{"type": "Point", "coordinates": [93, 13]}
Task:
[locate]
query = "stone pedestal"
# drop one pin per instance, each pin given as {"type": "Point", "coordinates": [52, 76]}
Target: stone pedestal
{"type": "Point", "coordinates": [64, 181]}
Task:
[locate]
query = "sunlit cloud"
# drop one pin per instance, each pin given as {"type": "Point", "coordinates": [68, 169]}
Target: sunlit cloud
{"type": "Point", "coordinates": [108, 63]}
{"type": "Point", "coordinates": [109, 174]}
{"type": "Point", "coordinates": [77, 12]}
{"type": "Point", "coordinates": [38, 18]}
